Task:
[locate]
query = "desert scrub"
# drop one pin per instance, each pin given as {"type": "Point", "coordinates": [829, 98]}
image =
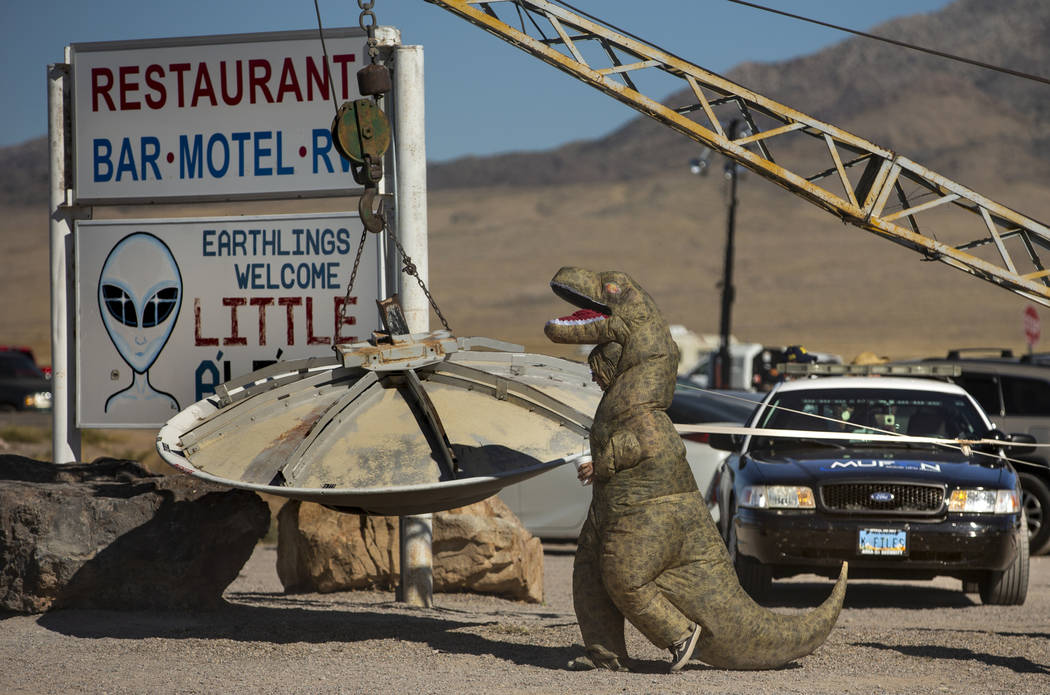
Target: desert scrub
{"type": "Point", "coordinates": [20, 434]}
{"type": "Point", "coordinates": [96, 437]}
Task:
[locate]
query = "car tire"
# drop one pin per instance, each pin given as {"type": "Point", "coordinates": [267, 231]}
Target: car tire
{"type": "Point", "coordinates": [1010, 586]}
{"type": "Point", "coordinates": [1035, 498]}
{"type": "Point", "coordinates": [756, 578]}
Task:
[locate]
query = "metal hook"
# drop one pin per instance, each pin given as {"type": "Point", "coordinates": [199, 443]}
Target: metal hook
{"type": "Point", "coordinates": [371, 211]}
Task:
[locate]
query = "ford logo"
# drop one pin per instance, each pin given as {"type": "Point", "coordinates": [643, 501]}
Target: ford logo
{"type": "Point", "coordinates": [882, 496]}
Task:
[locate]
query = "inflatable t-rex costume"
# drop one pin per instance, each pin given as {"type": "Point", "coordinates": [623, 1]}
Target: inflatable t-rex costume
{"type": "Point", "coordinates": [649, 549]}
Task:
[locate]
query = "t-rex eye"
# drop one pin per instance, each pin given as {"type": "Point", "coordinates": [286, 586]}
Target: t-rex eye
{"type": "Point", "coordinates": [612, 288]}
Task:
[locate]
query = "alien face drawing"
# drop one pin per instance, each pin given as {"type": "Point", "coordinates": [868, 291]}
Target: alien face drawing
{"type": "Point", "coordinates": [139, 296]}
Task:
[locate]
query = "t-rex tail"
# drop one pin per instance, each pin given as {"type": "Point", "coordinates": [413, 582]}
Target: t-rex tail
{"type": "Point", "coordinates": [740, 634]}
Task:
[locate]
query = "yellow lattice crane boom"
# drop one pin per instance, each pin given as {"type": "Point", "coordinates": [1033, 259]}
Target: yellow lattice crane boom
{"type": "Point", "coordinates": [862, 183]}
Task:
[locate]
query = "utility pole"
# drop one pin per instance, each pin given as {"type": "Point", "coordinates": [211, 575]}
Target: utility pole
{"type": "Point", "coordinates": [724, 370]}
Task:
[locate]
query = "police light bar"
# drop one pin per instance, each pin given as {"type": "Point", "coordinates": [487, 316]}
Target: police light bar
{"type": "Point", "coordinates": [826, 369]}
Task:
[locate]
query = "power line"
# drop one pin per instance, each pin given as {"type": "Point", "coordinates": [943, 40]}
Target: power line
{"type": "Point", "coordinates": [931, 51]}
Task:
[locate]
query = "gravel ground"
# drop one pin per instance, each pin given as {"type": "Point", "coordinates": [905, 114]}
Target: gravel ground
{"type": "Point", "coordinates": [917, 637]}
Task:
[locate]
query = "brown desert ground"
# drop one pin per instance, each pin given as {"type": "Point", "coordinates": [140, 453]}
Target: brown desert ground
{"type": "Point", "coordinates": [906, 637]}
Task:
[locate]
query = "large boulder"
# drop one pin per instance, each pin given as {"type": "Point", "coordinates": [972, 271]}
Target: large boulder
{"type": "Point", "coordinates": [320, 550]}
{"type": "Point", "coordinates": [484, 548]}
{"type": "Point", "coordinates": [480, 548]}
{"type": "Point", "coordinates": [111, 535]}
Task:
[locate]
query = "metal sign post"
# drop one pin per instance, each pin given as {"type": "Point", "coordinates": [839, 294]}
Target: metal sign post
{"type": "Point", "coordinates": [417, 574]}
{"type": "Point", "coordinates": [65, 437]}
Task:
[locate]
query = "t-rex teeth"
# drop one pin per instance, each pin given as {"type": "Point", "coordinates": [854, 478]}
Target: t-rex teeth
{"type": "Point", "coordinates": [574, 322]}
{"type": "Point", "coordinates": [581, 316]}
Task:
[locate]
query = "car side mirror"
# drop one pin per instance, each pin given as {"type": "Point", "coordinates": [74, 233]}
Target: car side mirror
{"type": "Point", "coordinates": [1020, 438]}
{"type": "Point", "coordinates": [995, 433]}
{"type": "Point", "coordinates": [992, 449]}
{"type": "Point", "coordinates": [723, 442]}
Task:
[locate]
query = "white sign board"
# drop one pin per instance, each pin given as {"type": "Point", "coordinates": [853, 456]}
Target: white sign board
{"type": "Point", "coordinates": [212, 117]}
{"type": "Point", "coordinates": [169, 309]}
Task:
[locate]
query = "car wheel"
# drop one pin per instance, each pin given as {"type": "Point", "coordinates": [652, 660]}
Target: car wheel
{"type": "Point", "coordinates": [1035, 498]}
{"type": "Point", "coordinates": [1009, 587]}
{"type": "Point", "coordinates": [756, 578]}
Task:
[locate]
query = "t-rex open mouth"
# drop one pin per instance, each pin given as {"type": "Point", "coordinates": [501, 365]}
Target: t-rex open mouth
{"type": "Point", "coordinates": [580, 317]}
{"type": "Point", "coordinates": [582, 289]}
{"type": "Point", "coordinates": [575, 297]}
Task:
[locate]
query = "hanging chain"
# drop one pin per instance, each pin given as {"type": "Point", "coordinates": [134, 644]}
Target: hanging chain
{"type": "Point", "coordinates": [367, 22]}
{"type": "Point", "coordinates": [350, 286]}
{"type": "Point", "coordinates": [410, 269]}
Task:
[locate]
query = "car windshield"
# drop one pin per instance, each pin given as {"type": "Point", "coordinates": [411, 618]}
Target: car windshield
{"type": "Point", "coordinates": [867, 411]}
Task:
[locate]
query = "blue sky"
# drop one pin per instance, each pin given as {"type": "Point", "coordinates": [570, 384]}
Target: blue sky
{"type": "Point", "coordinates": [483, 96]}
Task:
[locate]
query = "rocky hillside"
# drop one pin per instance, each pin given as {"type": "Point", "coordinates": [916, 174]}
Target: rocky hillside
{"type": "Point", "coordinates": [23, 174]}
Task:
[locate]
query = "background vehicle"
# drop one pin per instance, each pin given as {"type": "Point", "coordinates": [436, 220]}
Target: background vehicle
{"type": "Point", "coordinates": [554, 505]}
{"type": "Point", "coordinates": [1015, 393]}
{"type": "Point", "coordinates": [28, 352]}
{"type": "Point", "coordinates": [893, 509]}
{"type": "Point", "coordinates": [752, 366]}
{"type": "Point", "coordinates": [22, 385]}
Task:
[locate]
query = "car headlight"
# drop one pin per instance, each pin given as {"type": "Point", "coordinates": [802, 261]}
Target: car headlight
{"type": "Point", "coordinates": [40, 400]}
{"type": "Point", "coordinates": [984, 501]}
{"type": "Point", "coordinates": [777, 497]}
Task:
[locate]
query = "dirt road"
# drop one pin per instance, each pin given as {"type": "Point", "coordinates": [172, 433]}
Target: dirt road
{"type": "Point", "coordinates": [917, 637]}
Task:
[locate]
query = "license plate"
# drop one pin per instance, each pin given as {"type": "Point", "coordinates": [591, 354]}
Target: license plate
{"type": "Point", "coordinates": [883, 541]}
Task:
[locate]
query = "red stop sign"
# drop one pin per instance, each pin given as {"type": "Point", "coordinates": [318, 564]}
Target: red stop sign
{"type": "Point", "coordinates": [1031, 325]}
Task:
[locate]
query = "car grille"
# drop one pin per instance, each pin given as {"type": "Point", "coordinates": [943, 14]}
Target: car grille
{"type": "Point", "coordinates": [873, 497]}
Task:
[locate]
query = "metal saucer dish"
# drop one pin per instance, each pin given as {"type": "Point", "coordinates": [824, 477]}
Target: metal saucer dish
{"type": "Point", "coordinates": [398, 425]}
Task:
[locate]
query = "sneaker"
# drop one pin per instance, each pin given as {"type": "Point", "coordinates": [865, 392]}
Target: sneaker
{"type": "Point", "coordinates": [683, 651]}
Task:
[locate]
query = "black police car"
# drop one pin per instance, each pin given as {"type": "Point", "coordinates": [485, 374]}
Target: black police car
{"type": "Point", "coordinates": [872, 486]}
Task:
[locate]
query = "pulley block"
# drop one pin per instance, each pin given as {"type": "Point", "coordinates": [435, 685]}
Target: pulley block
{"type": "Point", "coordinates": [361, 132]}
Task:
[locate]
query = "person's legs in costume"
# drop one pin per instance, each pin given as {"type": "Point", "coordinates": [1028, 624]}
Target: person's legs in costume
{"type": "Point", "coordinates": [601, 623]}
{"type": "Point", "coordinates": [639, 546]}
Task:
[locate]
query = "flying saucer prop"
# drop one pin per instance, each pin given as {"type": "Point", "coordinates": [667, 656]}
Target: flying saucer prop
{"type": "Point", "coordinates": [403, 424]}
